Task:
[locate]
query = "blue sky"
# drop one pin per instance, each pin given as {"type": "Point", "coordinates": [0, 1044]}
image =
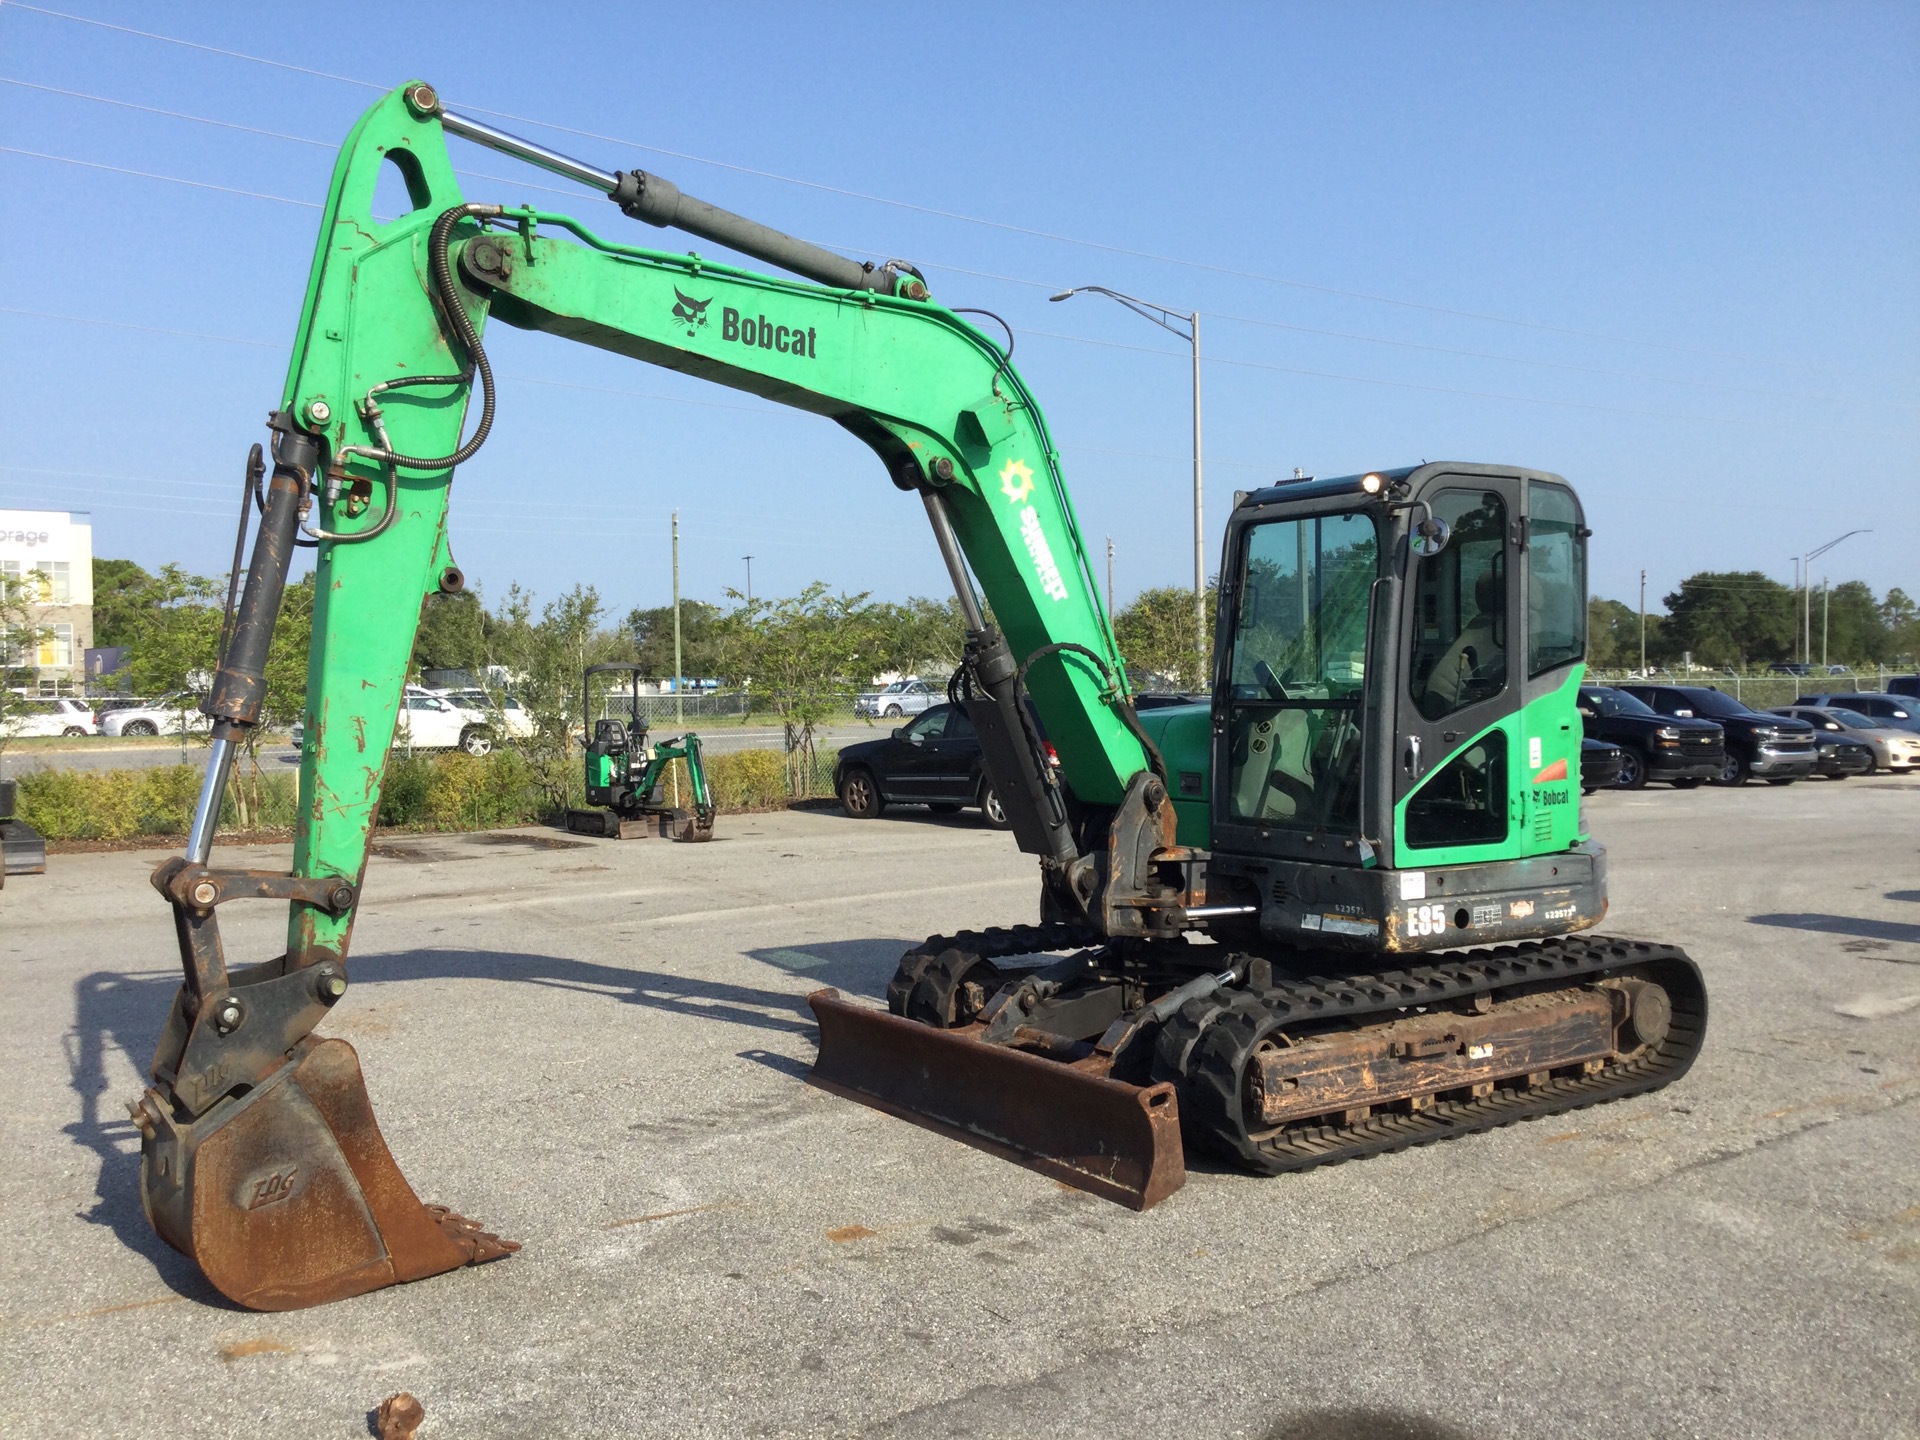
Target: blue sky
{"type": "Point", "coordinates": [1670, 251]}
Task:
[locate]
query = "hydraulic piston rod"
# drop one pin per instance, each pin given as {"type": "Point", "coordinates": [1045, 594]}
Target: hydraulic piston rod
{"type": "Point", "coordinates": [648, 197]}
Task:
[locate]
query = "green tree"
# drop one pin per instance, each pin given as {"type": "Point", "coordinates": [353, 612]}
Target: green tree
{"type": "Point", "coordinates": [1902, 619]}
{"type": "Point", "coordinates": [1850, 619]}
{"type": "Point", "coordinates": [650, 630]}
{"type": "Point", "coordinates": [1613, 636]}
{"type": "Point", "coordinates": [921, 637]}
{"type": "Point", "coordinates": [1738, 618]}
{"type": "Point", "coordinates": [801, 655]}
{"type": "Point", "coordinates": [176, 641]}
{"type": "Point", "coordinates": [1157, 640]}
{"type": "Point", "coordinates": [545, 657]}
{"type": "Point", "coordinates": [452, 633]}
{"type": "Point", "coordinates": [20, 636]}
{"type": "Point", "coordinates": [122, 592]}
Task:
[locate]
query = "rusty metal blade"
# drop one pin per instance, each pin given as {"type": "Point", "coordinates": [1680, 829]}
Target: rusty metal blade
{"type": "Point", "coordinates": [287, 1196]}
{"type": "Point", "coordinates": [1111, 1139]}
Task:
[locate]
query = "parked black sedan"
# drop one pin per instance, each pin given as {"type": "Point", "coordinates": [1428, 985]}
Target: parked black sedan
{"type": "Point", "coordinates": [1599, 766]}
{"type": "Point", "coordinates": [932, 761]}
{"type": "Point", "coordinates": [1684, 752]}
{"type": "Point", "coordinates": [1778, 750]}
{"type": "Point", "coordinates": [1841, 757]}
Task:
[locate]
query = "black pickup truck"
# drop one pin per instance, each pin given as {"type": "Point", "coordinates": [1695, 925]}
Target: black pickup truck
{"type": "Point", "coordinates": [1778, 750]}
{"type": "Point", "coordinates": [1682, 752]}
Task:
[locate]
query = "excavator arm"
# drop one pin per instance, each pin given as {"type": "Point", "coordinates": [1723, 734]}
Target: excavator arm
{"type": "Point", "coordinates": [261, 1158]}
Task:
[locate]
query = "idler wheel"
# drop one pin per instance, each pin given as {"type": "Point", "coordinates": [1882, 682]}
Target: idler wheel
{"type": "Point", "coordinates": [1648, 1012]}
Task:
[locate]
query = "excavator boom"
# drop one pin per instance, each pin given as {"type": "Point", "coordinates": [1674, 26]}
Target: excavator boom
{"type": "Point", "coordinates": [261, 1157]}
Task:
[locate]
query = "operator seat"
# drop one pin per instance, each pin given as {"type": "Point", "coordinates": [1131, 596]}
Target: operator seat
{"type": "Point", "coordinates": [1477, 658]}
{"type": "Point", "coordinates": [1276, 774]}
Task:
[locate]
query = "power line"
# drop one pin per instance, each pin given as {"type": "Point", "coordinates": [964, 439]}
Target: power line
{"type": "Point", "coordinates": [937, 212]}
{"type": "Point", "coordinates": [1421, 346]}
{"type": "Point", "coordinates": [195, 45]}
{"type": "Point", "coordinates": [150, 175]}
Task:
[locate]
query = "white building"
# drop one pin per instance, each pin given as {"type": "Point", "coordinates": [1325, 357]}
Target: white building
{"type": "Point", "coordinates": [52, 551]}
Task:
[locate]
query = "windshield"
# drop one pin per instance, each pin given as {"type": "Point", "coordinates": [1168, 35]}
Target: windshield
{"type": "Point", "coordinates": [1297, 668]}
{"type": "Point", "coordinates": [1713, 702]}
{"type": "Point", "coordinates": [1614, 702]}
{"type": "Point", "coordinates": [1854, 720]}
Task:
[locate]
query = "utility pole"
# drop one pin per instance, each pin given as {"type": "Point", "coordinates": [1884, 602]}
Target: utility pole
{"type": "Point", "coordinates": [1643, 623]}
{"type": "Point", "coordinates": [1825, 601]}
{"type": "Point", "coordinates": [1199, 514]}
{"type": "Point", "coordinates": [1109, 579]}
{"type": "Point", "coordinates": [749, 560]}
{"type": "Point", "coordinates": [679, 680]}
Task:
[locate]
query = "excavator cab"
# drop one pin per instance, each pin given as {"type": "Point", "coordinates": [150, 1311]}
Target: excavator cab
{"type": "Point", "coordinates": [1398, 658]}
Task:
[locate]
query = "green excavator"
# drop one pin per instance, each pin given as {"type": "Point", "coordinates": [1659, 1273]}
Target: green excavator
{"type": "Point", "coordinates": [1335, 910]}
{"type": "Point", "coordinates": [627, 772]}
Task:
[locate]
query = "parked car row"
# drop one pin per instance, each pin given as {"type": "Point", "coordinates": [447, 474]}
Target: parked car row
{"type": "Point", "coordinates": [36, 717]}
{"type": "Point", "coordinates": [1685, 735]}
{"type": "Point", "coordinates": [469, 720]}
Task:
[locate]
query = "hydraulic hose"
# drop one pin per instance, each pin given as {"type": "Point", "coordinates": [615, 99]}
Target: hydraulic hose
{"type": "Point", "coordinates": [469, 338]}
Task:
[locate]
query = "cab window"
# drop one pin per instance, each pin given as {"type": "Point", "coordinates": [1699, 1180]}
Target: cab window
{"type": "Point", "coordinates": [1297, 669]}
{"type": "Point", "coordinates": [1460, 607]}
{"type": "Point", "coordinates": [1556, 579]}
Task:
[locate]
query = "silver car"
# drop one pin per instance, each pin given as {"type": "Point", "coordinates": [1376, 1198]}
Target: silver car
{"type": "Point", "coordinates": [902, 697]}
{"type": "Point", "coordinates": [1893, 749]}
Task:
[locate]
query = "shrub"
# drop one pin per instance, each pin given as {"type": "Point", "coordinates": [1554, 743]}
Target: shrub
{"type": "Point", "coordinates": [403, 792]}
{"type": "Point", "coordinates": [80, 804]}
{"type": "Point", "coordinates": [469, 792]}
{"type": "Point", "coordinates": [164, 798]}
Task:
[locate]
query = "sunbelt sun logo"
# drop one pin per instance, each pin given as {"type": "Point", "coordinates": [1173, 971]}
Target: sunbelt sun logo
{"type": "Point", "coordinates": [1016, 483]}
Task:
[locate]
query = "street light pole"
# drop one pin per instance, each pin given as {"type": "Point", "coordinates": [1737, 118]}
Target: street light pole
{"type": "Point", "coordinates": [1806, 592]}
{"type": "Point", "coordinates": [749, 560]}
{"type": "Point", "coordinates": [1643, 624]}
{"type": "Point", "coordinates": [1166, 319]}
{"type": "Point", "coordinates": [679, 681]}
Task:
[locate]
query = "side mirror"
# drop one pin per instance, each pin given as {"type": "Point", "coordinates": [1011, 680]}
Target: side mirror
{"type": "Point", "coordinates": [1430, 536]}
{"type": "Point", "coordinates": [900, 733]}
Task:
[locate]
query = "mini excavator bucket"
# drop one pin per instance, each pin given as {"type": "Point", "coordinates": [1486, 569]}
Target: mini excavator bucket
{"type": "Point", "coordinates": [1066, 1119]}
{"type": "Point", "coordinates": [286, 1196]}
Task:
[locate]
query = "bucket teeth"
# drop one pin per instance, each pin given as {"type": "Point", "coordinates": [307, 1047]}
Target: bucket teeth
{"type": "Point", "coordinates": [480, 1245]}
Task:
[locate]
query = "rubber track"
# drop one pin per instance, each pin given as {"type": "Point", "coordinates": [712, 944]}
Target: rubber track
{"type": "Point", "coordinates": [1206, 1047]}
{"type": "Point", "coordinates": [997, 943]}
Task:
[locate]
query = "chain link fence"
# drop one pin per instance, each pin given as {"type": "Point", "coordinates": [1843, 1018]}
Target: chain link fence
{"type": "Point", "coordinates": [1761, 690]}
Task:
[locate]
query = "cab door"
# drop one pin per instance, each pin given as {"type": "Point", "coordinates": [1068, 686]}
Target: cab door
{"type": "Point", "coordinates": [1457, 752]}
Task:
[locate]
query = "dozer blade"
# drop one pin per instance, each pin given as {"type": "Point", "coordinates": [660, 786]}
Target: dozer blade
{"type": "Point", "coordinates": [1114, 1140]}
{"type": "Point", "coordinates": [287, 1195]}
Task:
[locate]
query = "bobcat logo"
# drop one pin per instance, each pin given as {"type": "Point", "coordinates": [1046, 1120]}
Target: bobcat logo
{"type": "Point", "coordinates": [691, 312]}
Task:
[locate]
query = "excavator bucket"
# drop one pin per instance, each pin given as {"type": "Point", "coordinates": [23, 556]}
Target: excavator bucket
{"type": "Point", "coordinates": [287, 1196]}
{"type": "Point", "coordinates": [1067, 1120]}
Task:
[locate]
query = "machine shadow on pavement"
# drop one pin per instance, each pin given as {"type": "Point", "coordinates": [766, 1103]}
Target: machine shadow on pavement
{"type": "Point", "coordinates": [1881, 931]}
{"type": "Point", "coordinates": [125, 1010]}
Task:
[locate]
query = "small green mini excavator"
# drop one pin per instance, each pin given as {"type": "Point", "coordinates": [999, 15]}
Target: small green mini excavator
{"type": "Point", "coordinates": [625, 773]}
{"type": "Point", "coordinates": [1335, 910]}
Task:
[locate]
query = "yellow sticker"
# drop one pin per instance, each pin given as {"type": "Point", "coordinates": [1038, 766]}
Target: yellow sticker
{"type": "Point", "coordinates": [1016, 480]}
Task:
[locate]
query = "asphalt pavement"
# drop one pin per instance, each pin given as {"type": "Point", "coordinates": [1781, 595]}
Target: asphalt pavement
{"type": "Point", "coordinates": [598, 1047]}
